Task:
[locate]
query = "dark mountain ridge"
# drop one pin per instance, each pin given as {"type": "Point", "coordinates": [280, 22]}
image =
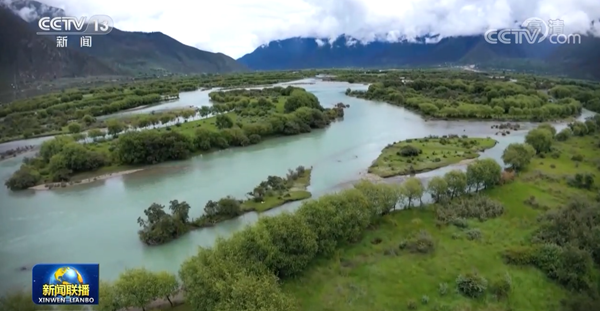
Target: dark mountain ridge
{"type": "Point", "coordinates": [155, 52]}
{"type": "Point", "coordinates": [27, 57]}
{"type": "Point", "coordinates": [128, 53]}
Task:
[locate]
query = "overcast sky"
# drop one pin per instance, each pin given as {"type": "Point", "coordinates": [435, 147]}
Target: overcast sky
{"type": "Point", "coordinates": [237, 27]}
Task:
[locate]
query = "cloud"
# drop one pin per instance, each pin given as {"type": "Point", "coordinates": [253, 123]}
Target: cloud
{"type": "Point", "coordinates": [236, 27]}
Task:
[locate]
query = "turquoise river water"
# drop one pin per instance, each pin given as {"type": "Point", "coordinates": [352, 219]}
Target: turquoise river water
{"type": "Point", "coordinates": [97, 222]}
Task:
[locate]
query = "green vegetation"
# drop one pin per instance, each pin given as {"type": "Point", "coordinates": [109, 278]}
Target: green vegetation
{"type": "Point", "coordinates": [480, 253]}
{"type": "Point", "coordinates": [518, 156]}
{"type": "Point", "coordinates": [413, 156]}
{"type": "Point", "coordinates": [160, 227]}
{"type": "Point", "coordinates": [475, 248]}
{"type": "Point", "coordinates": [436, 93]}
{"type": "Point", "coordinates": [260, 114]}
{"type": "Point", "coordinates": [526, 238]}
{"type": "Point", "coordinates": [276, 191]}
{"type": "Point", "coordinates": [468, 95]}
{"type": "Point", "coordinates": [53, 114]}
{"type": "Point", "coordinates": [268, 194]}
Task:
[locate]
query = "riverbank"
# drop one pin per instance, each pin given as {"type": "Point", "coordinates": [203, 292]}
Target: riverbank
{"type": "Point", "coordinates": [13, 153]}
{"type": "Point", "coordinates": [48, 134]}
{"type": "Point", "coordinates": [83, 181]}
{"type": "Point", "coordinates": [413, 156]}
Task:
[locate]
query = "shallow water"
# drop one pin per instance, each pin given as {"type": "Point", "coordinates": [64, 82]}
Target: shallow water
{"type": "Point", "coordinates": [97, 222]}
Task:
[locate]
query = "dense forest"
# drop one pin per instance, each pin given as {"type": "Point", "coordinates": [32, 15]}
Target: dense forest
{"type": "Point", "coordinates": [258, 115]}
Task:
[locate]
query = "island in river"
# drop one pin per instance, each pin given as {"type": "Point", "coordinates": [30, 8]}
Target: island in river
{"type": "Point", "coordinates": [240, 119]}
{"type": "Point", "coordinates": [270, 193]}
{"type": "Point", "coordinates": [420, 155]}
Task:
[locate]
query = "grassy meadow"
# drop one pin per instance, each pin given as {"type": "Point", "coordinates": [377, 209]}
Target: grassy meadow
{"type": "Point", "coordinates": [426, 154]}
{"type": "Point", "coordinates": [374, 275]}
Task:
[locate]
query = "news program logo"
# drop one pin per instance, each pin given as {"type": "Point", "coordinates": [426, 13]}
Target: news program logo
{"type": "Point", "coordinates": [58, 284]}
{"type": "Point", "coordinates": [74, 25]}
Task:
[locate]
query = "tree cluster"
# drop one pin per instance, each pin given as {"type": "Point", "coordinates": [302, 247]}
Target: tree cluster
{"type": "Point", "coordinates": [240, 94]}
{"type": "Point", "coordinates": [58, 159]}
{"type": "Point", "coordinates": [481, 174]}
{"type": "Point", "coordinates": [225, 208]}
{"type": "Point", "coordinates": [151, 147]}
{"type": "Point", "coordinates": [275, 185]}
{"type": "Point", "coordinates": [542, 138]}
{"type": "Point", "coordinates": [160, 226]}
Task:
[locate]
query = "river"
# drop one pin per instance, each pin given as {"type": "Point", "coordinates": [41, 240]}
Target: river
{"type": "Point", "coordinates": [97, 222]}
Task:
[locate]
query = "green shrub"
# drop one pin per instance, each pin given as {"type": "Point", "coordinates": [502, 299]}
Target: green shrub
{"type": "Point", "coordinates": [443, 289]}
{"type": "Point", "coordinates": [409, 151]}
{"type": "Point", "coordinates": [581, 181]}
{"type": "Point", "coordinates": [501, 287]}
{"type": "Point", "coordinates": [479, 207]}
{"type": "Point", "coordinates": [460, 223]}
{"type": "Point", "coordinates": [518, 255]}
{"type": "Point", "coordinates": [564, 134]}
{"type": "Point", "coordinates": [422, 243]}
{"type": "Point", "coordinates": [412, 305]}
{"type": "Point", "coordinates": [577, 158]}
{"type": "Point", "coordinates": [471, 284]}
{"type": "Point", "coordinates": [473, 234]}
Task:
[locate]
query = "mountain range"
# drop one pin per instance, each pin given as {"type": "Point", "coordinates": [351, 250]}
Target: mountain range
{"type": "Point", "coordinates": [581, 60]}
{"type": "Point", "coordinates": [26, 57]}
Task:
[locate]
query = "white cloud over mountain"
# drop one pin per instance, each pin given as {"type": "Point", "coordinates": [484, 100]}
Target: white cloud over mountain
{"type": "Point", "coordinates": [236, 27]}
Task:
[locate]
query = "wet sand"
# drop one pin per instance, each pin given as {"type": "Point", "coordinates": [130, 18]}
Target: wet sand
{"type": "Point", "coordinates": [465, 162]}
{"type": "Point", "coordinates": [370, 177]}
{"type": "Point", "coordinates": [50, 186]}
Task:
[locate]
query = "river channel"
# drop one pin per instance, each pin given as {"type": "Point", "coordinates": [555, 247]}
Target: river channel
{"type": "Point", "coordinates": [96, 222]}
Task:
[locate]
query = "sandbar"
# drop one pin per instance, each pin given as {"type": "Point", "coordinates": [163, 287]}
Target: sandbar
{"type": "Point", "coordinates": [50, 186]}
